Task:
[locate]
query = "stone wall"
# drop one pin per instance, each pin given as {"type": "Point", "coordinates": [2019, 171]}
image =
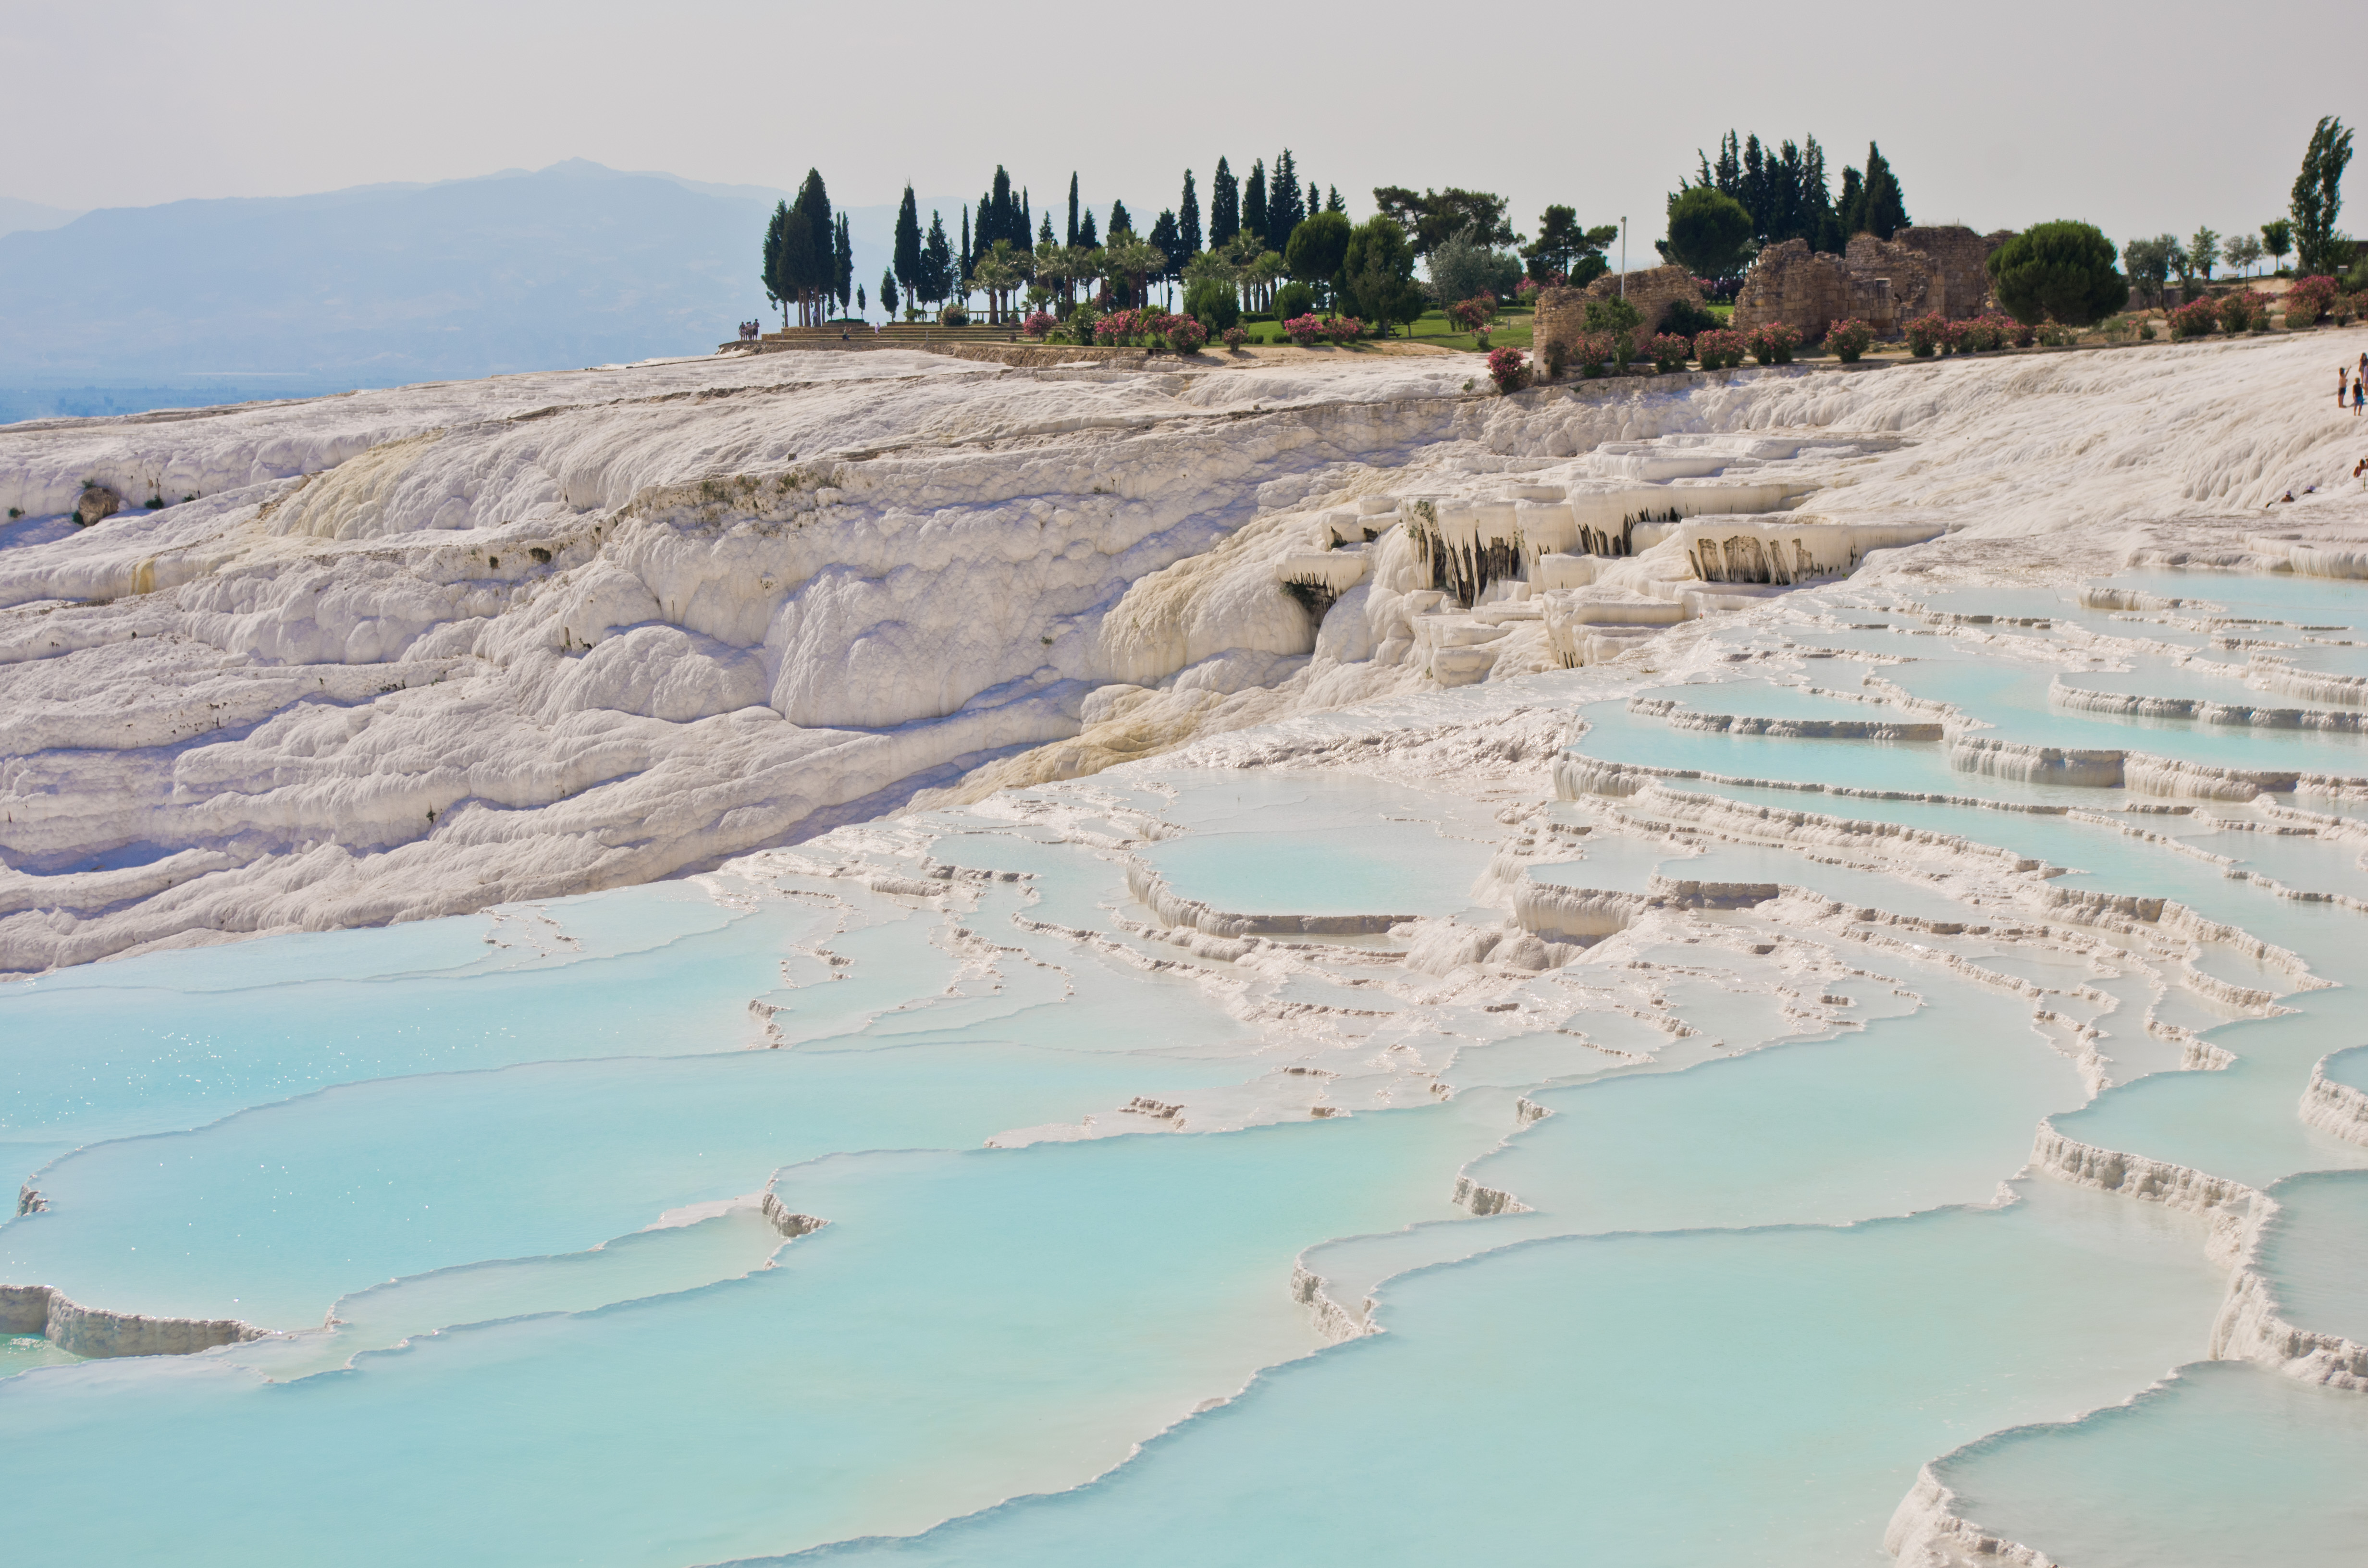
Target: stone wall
{"type": "Point", "coordinates": [1562, 312]}
{"type": "Point", "coordinates": [1882, 282]}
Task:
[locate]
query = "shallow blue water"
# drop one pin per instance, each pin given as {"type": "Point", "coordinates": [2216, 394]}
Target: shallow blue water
{"type": "Point", "coordinates": [1772, 1244]}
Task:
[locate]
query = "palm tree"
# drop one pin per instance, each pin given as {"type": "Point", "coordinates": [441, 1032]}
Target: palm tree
{"type": "Point", "coordinates": [1133, 260]}
{"type": "Point", "coordinates": [1261, 275]}
{"type": "Point", "coordinates": [1000, 272]}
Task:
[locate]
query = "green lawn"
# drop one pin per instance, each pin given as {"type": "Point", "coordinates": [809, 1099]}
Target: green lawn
{"type": "Point", "coordinates": [1513, 330]}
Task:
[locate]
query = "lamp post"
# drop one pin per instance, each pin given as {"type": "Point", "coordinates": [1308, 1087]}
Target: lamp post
{"type": "Point", "coordinates": [1624, 255]}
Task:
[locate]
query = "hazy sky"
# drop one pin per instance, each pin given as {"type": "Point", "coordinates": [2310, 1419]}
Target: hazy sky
{"type": "Point", "coordinates": [1996, 115]}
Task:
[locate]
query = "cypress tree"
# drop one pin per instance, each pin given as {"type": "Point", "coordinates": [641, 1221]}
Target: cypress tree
{"type": "Point", "coordinates": [1254, 213]}
{"type": "Point", "coordinates": [888, 293]}
{"type": "Point", "coordinates": [1073, 209]}
{"type": "Point", "coordinates": [1224, 207]}
{"type": "Point", "coordinates": [1283, 210]}
{"type": "Point", "coordinates": [995, 218]}
{"type": "Point", "coordinates": [2318, 201]}
{"type": "Point", "coordinates": [1044, 240]}
{"type": "Point", "coordinates": [1850, 212]}
{"type": "Point", "coordinates": [1332, 202]}
{"type": "Point", "coordinates": [937, 279]}
{"type": "Point", "coordinates": [1886, 213]}
{"type": "Point", "coordinates": [1188, 219]}
{"type": "Point", "coordinates": [906, 259]}
{"type": "Point", "coordinates": [842, 262]}
{"type": "Point", "coordinates": [775, 276]}
{"type": "Point", "coordinates": [1026, 229]}
{"type": "Point", "coordinates": [964, 275]}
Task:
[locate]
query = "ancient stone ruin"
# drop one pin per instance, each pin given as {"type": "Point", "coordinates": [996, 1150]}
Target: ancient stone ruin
{"type": "Point", "coordinates": [1562, 312]}
{"type": "Point", "coordinates": [1885, 283]}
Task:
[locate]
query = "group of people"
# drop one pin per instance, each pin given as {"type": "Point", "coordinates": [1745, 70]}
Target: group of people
{"type": "Point", "coordinates": [2351, 387]}
{"type": "Point", "coordinates": [750, 331]}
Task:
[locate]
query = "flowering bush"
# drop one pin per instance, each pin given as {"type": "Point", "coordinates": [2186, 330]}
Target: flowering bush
{"type": "Point", "coordinates": [1304, 330]}
{"type": "Point", "coordinates": [1592, 350]}
{"type": "Point", "coordinates": [1926, 334]}
{"type": "Point", "coordinates": [2022, 334]}
{"type": "Point", "coordinates": [1507, 371]}
{"type": "Point", "coordinates": [1038, 323]}
{"type": "Point", "coordinates": [1185, 335]}
{"type": "Point", "coordinates": [1474, 313]}
{"type": "Point", "coordinates": [1953, 337]}
{"type": "Point", "coordinates": [1847, 340]}
{"type": "Point", "coordinates": [1120, 326]}
{"type": "Point", "coordinates": [2239, 310]}
{"type": "Point", "coordinates": [1719, 350]}
{"type": "Point", "coordinates": [2195, 318]}
{"type": "Point", "coordinates": [2308, 300]}
{"type": "Point", "coordinates": [1235, 336]}
{"type": "Point", "coordinates": [2055, 335]}
{"type": "Point", "coordinates": [1979, 335]}
{"type": "Point", "coordinates": [1344, 329]}
{"type": "Point", "coordinates": [1527, 290]}
{"type": "Point", "coordinates": [1669, 351]}
{"type": "Point", "coordinates": [1773, 343]}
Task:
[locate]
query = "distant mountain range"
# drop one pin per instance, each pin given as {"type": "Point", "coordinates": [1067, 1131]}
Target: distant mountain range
{"type": "Point", "coordinates": [378, 285]}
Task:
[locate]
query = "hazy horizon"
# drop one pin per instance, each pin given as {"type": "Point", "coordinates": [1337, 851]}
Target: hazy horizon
{"type": "Point", "coordinates": [2036, 115]}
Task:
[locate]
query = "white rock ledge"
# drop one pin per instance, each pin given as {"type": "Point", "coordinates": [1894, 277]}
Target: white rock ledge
{"type": "Point", "coordinates": [93, 1332]}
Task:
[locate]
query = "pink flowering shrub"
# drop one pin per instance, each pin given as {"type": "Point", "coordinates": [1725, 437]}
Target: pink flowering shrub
{"type": "Point", "coordinates": [1118, 327]}
{"type": "Point", "coordinates": [1979, 335]}
{"type": "Point", "coordinates": [1506, 368]}
{"type": "Point", "coordinates": [1847, 340]}
{"type": "Point", "coordinates": [2240, 310]}
{"type": "Point", "coordinates": [1474, 313]}
{"type": "Point", "coordinates": [1184, 335]}
{"type": "Point", "coordinates": [1592, 351]}
{"type": "Point", "coordinates": [1669, 351]}
{"type": "Point", "coordinates": [2308, 299]}
{"type": "Point", "coordinates": [1773, 343]}
{"type": "Point", "coordinates": [1527, 290]}
{"type": "Point", "coordinates": [1927, 334]}
{"type": "Point", "coordinates": [1718, 349]}
{"type": "Point", "coordinates": [1344, 329]}
{"type": "Point", "coordinates": [1235, 336]}
{"type": "Point", "coordinates": [1305, 330]}
{"type": "Point", "coordinates": [2195, 318]}
{"type": "Point", "coordinates": [1038, 323]}
{"type": "Point", "coordinates": [2022, 334]}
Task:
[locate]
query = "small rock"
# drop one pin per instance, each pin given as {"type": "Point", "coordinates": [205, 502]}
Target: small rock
{"type": "Point", "coordinates": [96, 503]}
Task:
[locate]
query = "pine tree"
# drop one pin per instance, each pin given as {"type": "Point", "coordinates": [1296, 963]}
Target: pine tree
{"type": "Point", "coordinates": [1044, 240]}
{"type": "Point", "coordinates": [906, 259]}
{"type": "Point", "coordinates": [1332, 202]}
{"type": "Point", "coordinates": [1086, 235]}
{"type": "Point", "coordinates": [1121, 221]}
{"type": "Point", "coordinates": [1073, 209]}
{"type": "Point", "coordinates": [1254, 213]}
{"type": "Point", "coordinates": [1886, 213]}
{"type": "Point", "coordinates": [1188, 219]}
{"type": "Point", "coordinates": [1224, 207]}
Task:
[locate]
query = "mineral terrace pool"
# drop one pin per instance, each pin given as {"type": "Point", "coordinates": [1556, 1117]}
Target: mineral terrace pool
{"type": "Point", "coordinates": [1920, 1143]}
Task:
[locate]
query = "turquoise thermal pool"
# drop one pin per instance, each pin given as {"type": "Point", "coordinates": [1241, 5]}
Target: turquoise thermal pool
{"type": "Point", "coordinates": [1676, 1142]}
